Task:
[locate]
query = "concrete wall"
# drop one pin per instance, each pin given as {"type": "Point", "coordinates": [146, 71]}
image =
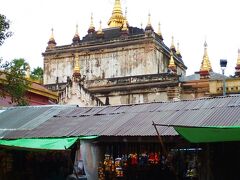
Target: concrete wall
{"type": "Point", "coordinates": [107, 63]}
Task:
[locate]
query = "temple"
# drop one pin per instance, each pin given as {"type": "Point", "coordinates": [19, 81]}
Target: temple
{"type": "Point", "coordinates": [120, 64]}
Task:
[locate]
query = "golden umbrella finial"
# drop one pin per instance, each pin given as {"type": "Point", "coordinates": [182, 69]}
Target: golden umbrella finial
{"type": "Point", "coordinates": [125, 27]}
{"type": "Point", "coordinates": [77, 30]}
{"type": "Point", "coordinates": [100, 31]}
{"type": "Point", "coordinates": [159, 29]}
{"type": "Point", "coordinates": [238, 59]}
{"type": "Point", "coordinates": [205, 65]}
{"type": "Point", "coordinates": [51, 42]}
{"type": "Point", "coordinates": [172, 47]}
{"type": "Point", "coordinates": [91, 23]}
{"type": "Point", "coordinates": [178, 49]}
{"type": "Point", "coordinates": [117, 18]}
{"type": "Point", "coordinates": [149, 20]}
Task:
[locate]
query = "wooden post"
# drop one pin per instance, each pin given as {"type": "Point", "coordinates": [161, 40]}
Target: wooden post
{"type": "Point", "coordinates": [160, 140]}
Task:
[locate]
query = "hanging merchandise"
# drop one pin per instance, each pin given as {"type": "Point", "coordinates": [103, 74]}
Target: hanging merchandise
{"type": "Point", "coordinates": [108, 167]}
{"type": "Point", "coordinates": [151, 158]}
{"type": "Point", "coordinates": [112, 164]}
{"type": "Point", "coordinates": [156, 158]}
{"type": "Point", "coordinates": [124, 161]}
{"type": "Point", "coordinates": [192, 168]}
{"type": "Point", "coordinates": [133, 159]}
{"type": "Point", "coordinates": [143, 159]}
{"type": "Point", "coordinates": [107, 163]}
{"type": "Point", "coordinates": [101, 175]}
{"type": "Point", "coordinates": [118, 166]}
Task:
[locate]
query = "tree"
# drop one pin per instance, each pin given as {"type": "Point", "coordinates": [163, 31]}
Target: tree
{"type": "Point", "coordinates": [4, 26]}
{"type": "Point", "coordinates": [37, 74]}
{"type": "Point", "coordinates": [16, 84]}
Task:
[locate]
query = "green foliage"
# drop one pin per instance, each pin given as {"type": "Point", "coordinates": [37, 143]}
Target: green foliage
{"type": "Point", "coordinates": [37, 74]}
{"type": "Point", "coordinates": [16, 85]}
{"type": "Point", "coordinates": [4, 26]}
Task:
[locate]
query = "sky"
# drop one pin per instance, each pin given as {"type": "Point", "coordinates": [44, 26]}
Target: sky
{"type": "Point", "coordinates": [191, 22]}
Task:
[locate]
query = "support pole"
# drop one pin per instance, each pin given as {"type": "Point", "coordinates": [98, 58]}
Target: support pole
{"type": "Point", "coordinates": [160, 140]}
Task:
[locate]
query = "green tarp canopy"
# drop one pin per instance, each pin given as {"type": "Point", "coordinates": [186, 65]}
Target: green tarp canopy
{"type": "Point", "coordinates": [209, 134]}
{"type": "Point", "coordinates": [43, 143]}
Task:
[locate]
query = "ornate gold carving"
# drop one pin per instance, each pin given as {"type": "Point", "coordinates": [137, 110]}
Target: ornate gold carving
{"type": "Point", "coordinates": [171, 62]}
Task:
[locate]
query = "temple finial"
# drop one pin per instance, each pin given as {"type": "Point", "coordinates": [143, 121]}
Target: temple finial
{"type": "Point", "coordinates": [76, 33]}
{"type": "Point", "coordinates": [149, 20]}
{"type": "Point", "coordinates": [237, 68]}
{"type": "Point", "coordinates": [100, 33]}
{"type": "Point", "coordinates": [125, 28]}
{"type": "Point", "coordinates": [172, 47]}
{"type": "Point", "coordinates": [159, 31]}
{"type": "Point", "coordinates": [149, 26]}
{"type": "Point", "coordinates": [76, 38]}
{"type": "Point", "coordinates": [178, 50]}
{"type": "Point", "coordinates": [91, 28]}
{"type": "Point", "coordinates": [206, 64]}
{"type": "Point", "coordinates": [52, 36]}
{"type": "Point", "coordinates": [51, 43]}
{"type": "Point", "coordinates": [100, 27]}
{"type": "Point", "coordinates": [117, 18]}
{"type": "Point", "coordinates": [238, 59]}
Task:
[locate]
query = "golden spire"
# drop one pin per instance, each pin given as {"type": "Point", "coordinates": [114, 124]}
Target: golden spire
{"type": "Point", "coordinates": [159, 29]}
{"type": "Point", "coordinates": [76, 38]}
{"type": "Point", "coordinates": [159, 33]}
{"type": "Point", "coordinates": [76, 66]}
{"type": "Point", "coordinates": [117, 18]}
{"type": "Point", "coordinates": [172, 47]}
{"type": "Point", "coordinates": [171, 62]}
{"type": "Point", "coordinates": [52, 36]}
{"type": "Point", "coordinates": [91, 28]}
{"type": "Point", "coordinates": [100, 31]}
{"type": "Point", "coordinates": [149, 20]}
{"type": "Point", "coordinates": [237, 68]}
{"type": "Point", "coordinates": [178, 50]}
{"type": "Point", "coordinates": [205, 65]}
{"type": "Point", "coordinates": [149, 26]}
{"type": "Point", "coordinates": [125, 27]}
{"type": "Point", "coordinates": [76, 33]}
{"type": "Point", "coordinates": [51, 39]}
{"type": "Point", "coordinates": [238, 59]}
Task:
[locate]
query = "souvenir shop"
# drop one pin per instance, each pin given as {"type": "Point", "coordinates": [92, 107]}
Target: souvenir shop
{"type": "Point", "coordinates": [146, 160]}
{"type": "Point", "coordinates": [122, 159]}
{"type": "Point", "coordinates": [19, 164]}
{"type": "Point", "coordinates": [102, 159]}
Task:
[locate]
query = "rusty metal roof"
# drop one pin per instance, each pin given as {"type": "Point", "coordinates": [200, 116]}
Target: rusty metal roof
{"type": "Point", "coordinates": [122, 120]}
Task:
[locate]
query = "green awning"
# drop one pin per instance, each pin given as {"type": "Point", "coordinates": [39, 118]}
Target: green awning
{"type": "Point", "coordinates": [43, 143]}
{"type": "Point", "coordinates": [209, 134]}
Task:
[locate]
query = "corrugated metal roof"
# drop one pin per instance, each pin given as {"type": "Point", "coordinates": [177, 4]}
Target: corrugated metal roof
{"type": "Point", "coordinates": [123, 120]}
{"type": "Point", "coordinates": [16, 120]}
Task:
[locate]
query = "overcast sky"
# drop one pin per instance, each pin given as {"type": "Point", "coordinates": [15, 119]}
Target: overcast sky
{"type": "Point", "coordinates": [189, 21]}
